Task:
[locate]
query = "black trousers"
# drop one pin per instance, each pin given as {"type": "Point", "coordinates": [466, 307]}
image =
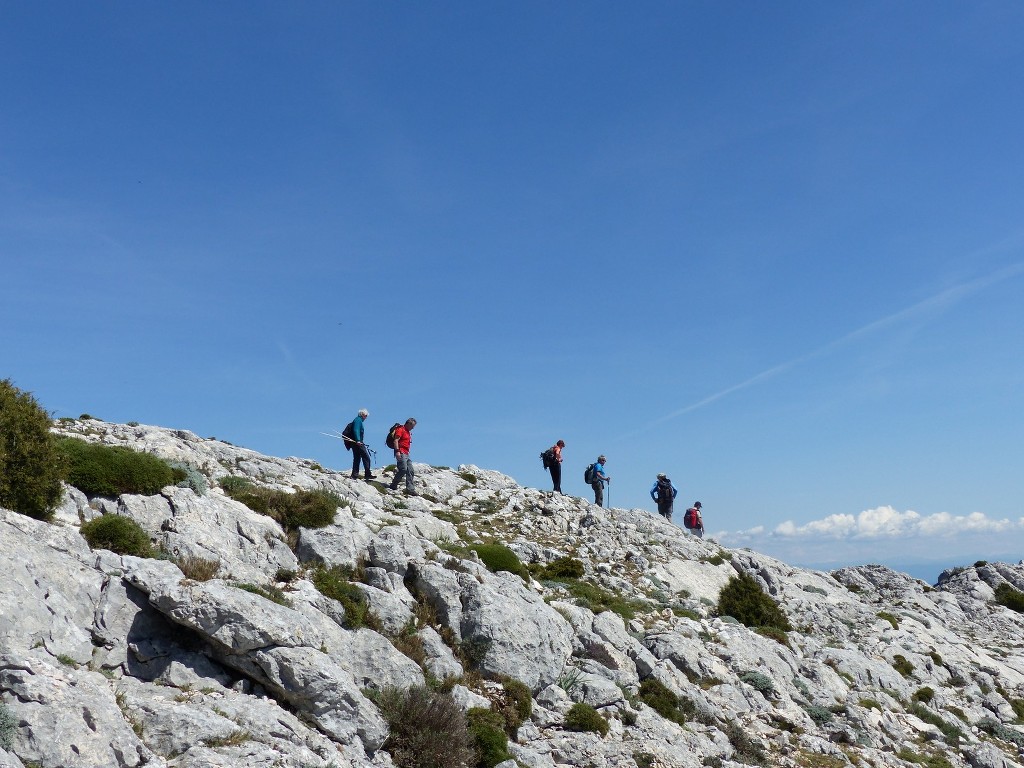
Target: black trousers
{"type": "Point", "coordinates": [556, 475]}
{"type": "Point", "coordinates": [360, 454]}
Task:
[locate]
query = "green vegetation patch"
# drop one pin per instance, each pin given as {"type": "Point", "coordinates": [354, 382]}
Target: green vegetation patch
{"type": "Point", "coordinates": [598, 600]}
{"type": "Point", "coordinates": [583, 717]}
{"type": "Point", "coordinates": [301, 509]}
{"type": "Point", "coordinates": [902, 664]}
{"type": "Point", "coordinates": [427, 729]}
{"type": "Point", "coordinates": [886, 616]}
{"type": "Point", "coordinates": [335, 582]}
{"type": "Point", "coordinates": [561, 569]}
{"type": "Point", "coordinates": [118, 534]}
{"type": "Point", "coordinates": [269, 591]}
{"type": "Point", "coordinates": [1009, 597]}
{"type": "Point", "coordinates": [31, 466]}
{"type": "Point", "coordinates": [743, 599]}
{"type": "Point", "coordinates": [950, 732]}
{"type": "Point", "coordinates": [110, 470]}
{"type": "Point", "coordinates": [658, 697]}
{"type": "Point", "coordinates": [487, 729]}
{"type": "Point", "coordinates": [498, 557]}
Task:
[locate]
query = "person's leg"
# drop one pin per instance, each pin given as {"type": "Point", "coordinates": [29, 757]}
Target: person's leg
{"type": "Point", "coordinates": [399, 471]}
{"type": "Point", "coordinates": [355, 461]}
{"type": "Point", "coordinates": [365, 455]}
{"type": "Point", "coordinates": [410, 476]}
{"type": "Point", "coordinates": [556, 477]}
{"type": "Point", "coordinates": [598, 493]}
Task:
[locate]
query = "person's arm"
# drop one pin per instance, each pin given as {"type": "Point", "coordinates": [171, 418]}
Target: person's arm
{"type": "Point", "coordinates": [654, 489]}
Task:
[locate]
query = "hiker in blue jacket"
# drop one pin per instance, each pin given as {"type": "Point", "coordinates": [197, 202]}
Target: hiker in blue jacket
{"type": "Point", "coordinates": [664, 493]}
{"type": "Point", "coordinates": [600, 478]}
{"type": "Point", "coordinates": [358, 447]}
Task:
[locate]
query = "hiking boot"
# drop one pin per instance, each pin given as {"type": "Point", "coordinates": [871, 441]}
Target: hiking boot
{"type": "Point", "coordinates": [369, 477]}
{"type": "Point", "coordinates": [411, 493]}
{"type": "Point", "coordinates": [392, 487]}
{"type": "Point", "coordinates": [353, 477]}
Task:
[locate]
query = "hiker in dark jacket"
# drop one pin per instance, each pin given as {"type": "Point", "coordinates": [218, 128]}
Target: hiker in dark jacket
{"type": "Point", "coordinates": [355, 443]}
{"type": "Point", "coordinates": [663, 492]}
{"type": "Point", "coordinates": [600, 478]}
{"type": "Point", "coordinates": [555, 465]}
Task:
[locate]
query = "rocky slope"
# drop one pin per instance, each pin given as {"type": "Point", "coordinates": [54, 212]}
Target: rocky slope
{"type": "Point", "coordinates": [110, 660]}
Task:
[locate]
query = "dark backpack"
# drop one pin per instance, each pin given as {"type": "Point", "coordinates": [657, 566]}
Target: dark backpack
{"type": "Point", "coordinates": [349, 433]}
{"type": "Point", "coordinates": [548, 458]}
{"type": "Point", "coordinates": [690, 518]}
{"type": "Point", "coordinates": [390, 440]}
{"type": "Point", "coordinates": [664, 491]}
{"type": "Point", "coordinates": [588, 474]}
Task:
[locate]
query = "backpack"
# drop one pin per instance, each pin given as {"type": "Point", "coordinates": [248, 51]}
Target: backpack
{"type": "Point", "coordinates": [690, 518]}
{"type": "Point", "coordinates": [664, 491]}
{"type": "Point", "coordinates": [588, 475]}
{"type": "Point", "coordinates": [548, 458]}
{"type": "Point", "coordinates": [349, 433]}
{"type": "Point", "coordinates": [390, 440]}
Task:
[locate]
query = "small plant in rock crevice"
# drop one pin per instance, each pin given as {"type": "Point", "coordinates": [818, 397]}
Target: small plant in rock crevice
{"type": "Point", "coordinates": [7, 725]}
{"type": "Point", "coordinates": [335, 582]}
{"type": "Point", "coordinates": [658, 697]}
{"type": "Point", "coordinates": [902, 665]}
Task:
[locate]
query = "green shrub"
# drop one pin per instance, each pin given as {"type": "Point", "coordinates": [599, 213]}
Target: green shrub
{"type": "Point", "coordinates": [7, 726]}
{"type": "Point", "coordinates": [759, 682]}
{"type": "Point", "coordinates": [187, 476]}
{"type": "Point", "coordinates": [335, 582]}
{"type": "Point", "coordinates": [951, 733]}
{"type": "Point", "coordinates": [747, 750]}
{"type": "Point", "coordinates": [31, 467]}
{"type": "Point", "coordinates": [1000, 731]}
{"type": "Point", "coordinates": [773, 633]}
{"type": "Point", "coordinates": [302, 509]}
{"type": "Point", "coordinates": [870, 704]}
{"type": "Point", "coordinates": [885, 616]}
{"type": "Point", "coordinates": [428, 729]}
{"type": "Point", "coordinates": [658, 697]}
{"type": "Point", "coordinates": [902, 665]}
{"type": "Point", "coordinates": [109, 471]}
{"type": "Point", "coordinates": [819, 714]}
{"type": "Point", "coordinates": [562, 568]}
{"type": "Point", "coordinates": [517, 704]}
{"type": "Point", "coordinates": [488, 731]}
{"type": "Point", "coordinates": [118, 534]}
{"type": "Point", "coordinates": [743, 599]}
{"type": "Point", "coordinates": [1009, 597]}
{"type": "Point", "coordinates": [498, 557]}
{"type": "Point", "coordinates": [583, 717]}
{"type": "Point", "coordinates": [924, 695]}
{"type": "Point", "coordinates": [599, 600]}
{"type": "Point", "coordinates": [269, 592]}
{"type": "Point", "coordinates": [980, 563]}
{"type": "Point", "coordinates": [469, 477]}
{"type": "Point", "coordinates": [197, 568]}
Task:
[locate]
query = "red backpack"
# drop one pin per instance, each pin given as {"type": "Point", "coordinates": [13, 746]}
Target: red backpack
{"type": "Point", "coordinates": [691, 518]}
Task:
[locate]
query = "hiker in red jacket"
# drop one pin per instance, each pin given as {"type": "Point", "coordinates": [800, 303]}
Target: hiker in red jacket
{"type": "Point", "coordinates": [403, 441]}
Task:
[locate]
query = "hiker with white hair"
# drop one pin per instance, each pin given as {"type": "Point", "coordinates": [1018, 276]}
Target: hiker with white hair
{"type": "Point", "coordinates": [353, 436]}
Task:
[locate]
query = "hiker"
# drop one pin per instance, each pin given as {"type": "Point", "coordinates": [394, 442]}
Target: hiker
{"type": "Point", "coordinates": [554, 464]}
{"type": "Point", "coordinates": [353, 435]}
{"type": "Point", "coordinates": [663, 492]}
{"type": "Point", "coordinates": [693, 521]}
{"type": "Point", "coordinates": [403, 440]}
{"type": "Point", "coordinates": [598, 481]}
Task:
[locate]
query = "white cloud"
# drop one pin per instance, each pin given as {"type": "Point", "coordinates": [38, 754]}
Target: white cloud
{"type": "Point", "coordinates": [889, 523]}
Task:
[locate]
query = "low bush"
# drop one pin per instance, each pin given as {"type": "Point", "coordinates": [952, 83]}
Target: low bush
{"type": "Point", "coordinates": [1010, 598]}
{"type": "Point", "coordinates": [302, 509]}
{"type": "Point", "coordinates": [759, 682]}
{"type": "Point", "coordinates": [428, 729]}
{"type": "Point", "coordinates": [747, 750]}
{"type": "Point", "coordinates": [118, 534]}
{"type": "Point", "coordinates": [599, 600]}
{"type": "Point", "coordinates": [187, 476]}
{"type": "Point", "coordinates": [7, 726]}
{"type": "Point", "coordinates": [487, 729]}
{"type": "Point", "coordinates": [269, 592]}
{"type": "Point", "coordinates": [924, 695]}
{"type": "Point", "coordinates": [885, 616]}
{"type": "Point", "coordinates": [562, 568]}
{"type": "Point", "coordinates": [658, 697]}
{"type": "Point", "coordinates": [498, 557]}
{"type": "Point", "coordinates": [109, 471]}
{"type": "Point", "coordinates": [335, 582]}
{"type": "Point", "coordinates": [819, 714]}
{"type": "Point", "coordinates": [902, 665]}
{"type": "Point", "coordinates": [516, 705]}
{"type": "Point", "coordinates": [197, 568]}
{"type": "Point", "coordinates": [31, 466]}
{"type": "Point", "coordinates": [743, 599]}
{"type": "Point", "coordinates": [951, 733]}
{"type": "Point", "coordinates": [583, 717]}
{"type": "Point", "coordinates": [1004, 732]}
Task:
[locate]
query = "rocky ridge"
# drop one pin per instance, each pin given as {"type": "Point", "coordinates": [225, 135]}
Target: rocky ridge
{"type": "Point", "coordinates": [109, 660]}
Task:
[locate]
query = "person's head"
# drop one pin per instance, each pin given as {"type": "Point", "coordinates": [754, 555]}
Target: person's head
{"type": "Point", "coordinates": [696, 505]}
{"type": "Point", "coordinates": [410, 423]}
{"type": "Point", "coordinates": [560, 443]}
{"type": "Point", "coordinates": [601, 459]}
{"type": "Point", "coordinates": [363, 413]}
{"type": "Point", "coordinates": [662, 476]}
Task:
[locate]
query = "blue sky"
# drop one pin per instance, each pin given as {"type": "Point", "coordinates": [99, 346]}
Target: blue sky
{"type": "Point", "coordinates": [774, 250]}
